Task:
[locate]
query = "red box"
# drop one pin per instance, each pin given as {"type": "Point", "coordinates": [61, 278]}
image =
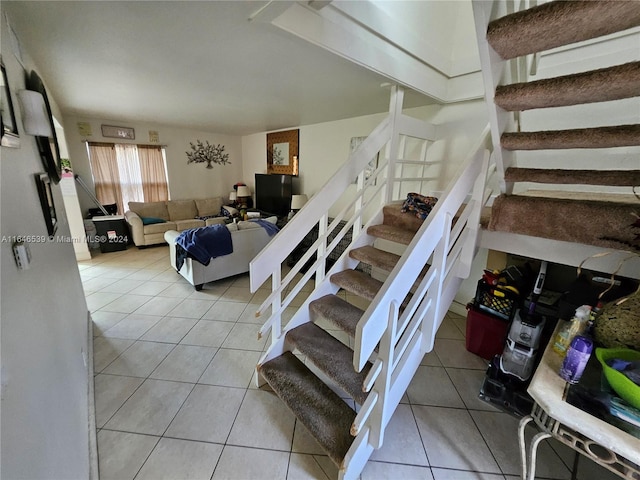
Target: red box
{"type": "Point", "coordinates": [486, 333]}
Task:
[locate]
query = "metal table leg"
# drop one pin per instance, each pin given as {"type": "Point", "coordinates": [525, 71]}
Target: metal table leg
{"type": "Point", "coordinates": [529, 461]}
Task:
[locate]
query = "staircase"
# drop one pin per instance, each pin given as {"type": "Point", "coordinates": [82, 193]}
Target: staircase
{"type": "Point", "coordinates": [322, 411]}
{"type": "Point", "coordinates": [312, 371]}
{"type": "Point", "coordinates": [597, 217]}
{"type": "Point", "coordinates": [390, 337]}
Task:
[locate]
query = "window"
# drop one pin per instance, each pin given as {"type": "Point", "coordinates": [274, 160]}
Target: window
{"type": "Point", "coordinates": [124, 173]}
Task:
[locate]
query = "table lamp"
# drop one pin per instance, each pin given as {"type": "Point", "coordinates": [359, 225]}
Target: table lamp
{"type": "Point", "coordinates": [233, 196]}
{"type": "Point", "coordinates": [243, 194]}
{"type": "Point", "coordinates": [297, 202]}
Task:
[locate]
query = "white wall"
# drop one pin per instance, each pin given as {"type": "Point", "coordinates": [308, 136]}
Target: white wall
{"type": "Point", "coordinates": [185, 181]}
{"type": "Point", "coordinates": [324, 147]}
{"type": "Point", "coordinates": [44, 413]}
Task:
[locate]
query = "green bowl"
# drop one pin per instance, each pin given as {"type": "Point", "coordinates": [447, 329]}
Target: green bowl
{"type": "Point", "coordinates": [620, 383]}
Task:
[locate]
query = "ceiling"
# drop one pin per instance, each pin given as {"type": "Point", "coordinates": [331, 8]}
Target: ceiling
{"type": "Point", "coordinates": [192, 64]}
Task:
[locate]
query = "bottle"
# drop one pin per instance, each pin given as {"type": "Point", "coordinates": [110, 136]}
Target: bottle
{"type": "Point", "coordinates": [576, 326]}
{"type": "Point", "coordinates": [577, 357]}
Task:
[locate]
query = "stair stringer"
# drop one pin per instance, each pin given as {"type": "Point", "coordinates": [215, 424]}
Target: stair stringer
{"type": "Point", "coordinates": [556, 251]}
{"type": "Point", "coordinates": [500, 120]}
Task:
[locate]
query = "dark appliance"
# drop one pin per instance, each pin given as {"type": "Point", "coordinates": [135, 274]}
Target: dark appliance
{"type": "Point", "coordinates": [273, 193]}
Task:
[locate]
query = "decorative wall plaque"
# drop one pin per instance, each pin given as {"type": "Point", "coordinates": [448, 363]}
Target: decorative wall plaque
{"type": "Point", "coordinates": [118, 132]}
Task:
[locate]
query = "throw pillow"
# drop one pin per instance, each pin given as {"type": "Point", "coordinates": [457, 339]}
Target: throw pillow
{"type": "Point", "coordinates": [228, 211]}
{"type": "Point", "coordinates": [419, 205]}
{"type": "Point", "coordinates": [152, 220]}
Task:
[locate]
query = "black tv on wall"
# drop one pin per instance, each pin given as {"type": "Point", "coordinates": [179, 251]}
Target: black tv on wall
{"type": "Point", "coordinates": [273, 193]}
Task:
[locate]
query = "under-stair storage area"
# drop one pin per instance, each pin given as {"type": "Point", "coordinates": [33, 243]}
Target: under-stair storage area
{"type": "Point", "coordinates": [513, 331]}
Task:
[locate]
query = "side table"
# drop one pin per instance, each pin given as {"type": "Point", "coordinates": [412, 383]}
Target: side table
{"type": "Point", "coordinates": [598, 440]}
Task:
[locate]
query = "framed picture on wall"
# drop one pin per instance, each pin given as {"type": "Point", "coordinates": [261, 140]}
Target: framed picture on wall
{"type": "Point", "coordinates": [8, 128]}
{"type": "Point", "coordinates": [43, 184]}
{"type": "Point", "coordinates": [48, 146]}
{"type": "Point", "coordinates": [282, 152]}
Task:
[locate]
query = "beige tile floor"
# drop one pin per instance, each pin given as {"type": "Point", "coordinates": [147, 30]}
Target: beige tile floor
{"type": "Point", "coordinates": [175, 399]}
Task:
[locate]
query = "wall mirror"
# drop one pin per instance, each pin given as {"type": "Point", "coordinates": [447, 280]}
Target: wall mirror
{"type": "Point", "coordinates": [282, 152]}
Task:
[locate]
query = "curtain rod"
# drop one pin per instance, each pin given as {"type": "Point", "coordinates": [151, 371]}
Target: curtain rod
{"type": "Point", "coordinates": [137, 144]}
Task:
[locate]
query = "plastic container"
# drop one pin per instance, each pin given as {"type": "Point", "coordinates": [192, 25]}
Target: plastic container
{"type": "Point", "coordinates": [576, 360]}
{"type": "Point", "coordinates": [112, 233]}
{"type": "Point", "coordinates": [518, 360]}
{"type": "Point", "coordinates": [498, 300]}
{"type": "Point", "coordinates": [620, 383]}
{"type": "Point", "coordinates": [576, 326]}
{"type": "Point", "coordinates": [485, 334]}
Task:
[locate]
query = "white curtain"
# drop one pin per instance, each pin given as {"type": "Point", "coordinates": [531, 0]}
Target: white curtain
{"type": "Point", "coordinates": [129, 172]}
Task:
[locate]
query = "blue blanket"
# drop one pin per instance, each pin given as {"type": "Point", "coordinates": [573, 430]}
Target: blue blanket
{"type": "Point", "coordinates": [268, 226]}
{"type": "Point", "coordinates": [205, 243]}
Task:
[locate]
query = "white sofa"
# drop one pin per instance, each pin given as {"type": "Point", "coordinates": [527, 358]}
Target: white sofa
{"type": "Point", "coordinates": [248, 238]}
{"type": "Point", "coordinates": [176, 215]}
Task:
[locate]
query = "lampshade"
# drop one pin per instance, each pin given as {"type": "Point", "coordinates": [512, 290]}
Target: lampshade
{"type": "Point", "coordinates": [233, 196]}
{"type": "Point", "coordinates": [35, 118]}
{"type": "Point", "coordinates": [243, 191]}
{"type": "Point", "coordinates": [298, 201]}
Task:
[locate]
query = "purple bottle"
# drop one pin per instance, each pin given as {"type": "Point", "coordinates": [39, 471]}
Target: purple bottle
{"type": "Point", "coordinates": [577, 357]}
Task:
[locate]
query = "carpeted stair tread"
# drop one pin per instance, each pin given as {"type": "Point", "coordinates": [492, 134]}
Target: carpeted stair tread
{"type": "Point", "coordinates": [332, 357]}
{"type": "Point", "coordinates": [394, 217]}
{"type": "Point", "coordinates": [391, 233]}
{"type": "Point", "coordinates": [375, 257]}
{"type": "Point", "coordinates": [603, 85]}
{"type": "Point", "coordinates": [573, 177]}
{"type": "Point", "coordinates": [325, 415]}
{"type": "Point", "coordinates": [381, 259]}
{"type": "Point", "coordinates": [589, 222]}
{"type": "Point", "coordinates": [338, 311]}
{"type": "Point", "coordinates": [599, 137]}
{"type": "Point", "coordinates": [559, 23]}
{"type": "Point", "coordinates": [357, 283]}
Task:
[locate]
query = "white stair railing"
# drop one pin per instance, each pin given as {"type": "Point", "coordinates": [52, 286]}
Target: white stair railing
{"type": "Point", "coordinates": [362, 208]}
{"type": "Point", "coordinates": [403, 327]}
{"type": "Point", "coordinates": [403, 318]}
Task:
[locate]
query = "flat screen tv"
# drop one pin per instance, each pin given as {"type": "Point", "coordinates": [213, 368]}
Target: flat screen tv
{"type": "Point", "coordinates": [273, 193]}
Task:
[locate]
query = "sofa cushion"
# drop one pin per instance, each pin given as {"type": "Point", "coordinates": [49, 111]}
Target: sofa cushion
{"type": "Point", "coordinates": [159, 227]}
{"type": "Point", "coordinates": [152, 220]}
{"type": "Point", "coordinates": [182, 209]}
{"type": "Point", "coordinates": [208, 206]}
{"type": "Point", "coordinates": [233, 227]}
{"type": "Point", "coordinates": [189, 223]}
{"type": "Point", "coordinates": [150, 209]}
